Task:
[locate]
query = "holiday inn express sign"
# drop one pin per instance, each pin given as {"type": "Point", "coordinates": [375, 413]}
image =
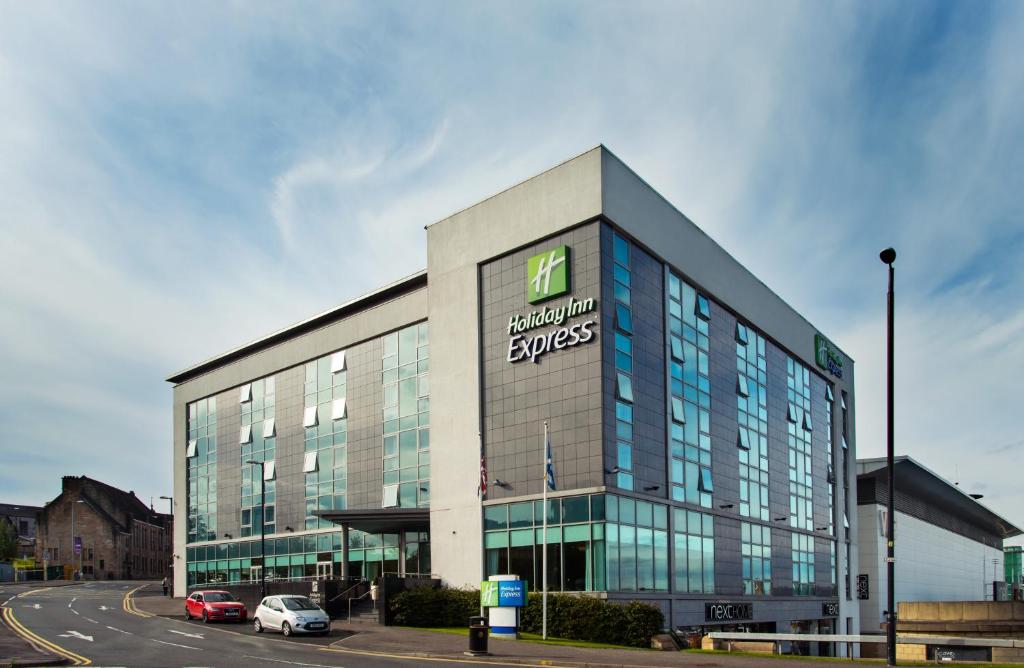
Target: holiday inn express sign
{"type": "Point", "coordinates": [827, 356]}
{"type": "Point", "coordinates": [547, 276]}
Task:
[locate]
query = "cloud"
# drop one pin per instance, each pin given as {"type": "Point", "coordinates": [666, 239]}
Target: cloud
{"type": "Point", "coordinates": [177, 182]}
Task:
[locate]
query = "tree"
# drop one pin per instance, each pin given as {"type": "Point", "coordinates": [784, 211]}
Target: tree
{"type": "Point", "coordinates": [8, 542]}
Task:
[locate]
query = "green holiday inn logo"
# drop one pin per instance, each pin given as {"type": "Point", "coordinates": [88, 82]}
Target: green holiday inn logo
{"type": "Point", "coordinates": [547, 274]}
{"type": "Point", "coordinates": [827, 357]}
{"type": "Point", "coordinates": [489, 594]}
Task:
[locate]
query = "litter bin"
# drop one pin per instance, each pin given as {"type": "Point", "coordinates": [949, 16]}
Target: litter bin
{"type": "Point", "coordinates": [478, 632]}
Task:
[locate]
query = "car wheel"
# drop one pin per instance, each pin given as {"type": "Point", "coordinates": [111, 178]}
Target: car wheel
{"type": "Point", "coordinates": [257, 626]}
{"type": "Point", "coordinates": [206, 617]}
{"type": "Point", "coordinates": [286, 629]}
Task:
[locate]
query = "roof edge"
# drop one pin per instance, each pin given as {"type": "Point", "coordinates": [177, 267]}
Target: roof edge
{"type": "Point", "coordinates": [380, 295]}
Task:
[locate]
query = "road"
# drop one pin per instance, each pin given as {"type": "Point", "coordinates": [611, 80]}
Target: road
{"type": "Point", "coordinates": [91, 623]}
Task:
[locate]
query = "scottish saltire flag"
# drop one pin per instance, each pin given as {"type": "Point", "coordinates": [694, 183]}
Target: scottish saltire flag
{"type": "Point", "coordinates": [549, 469]}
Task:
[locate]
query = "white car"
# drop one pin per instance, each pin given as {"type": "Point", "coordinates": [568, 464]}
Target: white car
{"type": "Point", "coordinates": [290, 614]}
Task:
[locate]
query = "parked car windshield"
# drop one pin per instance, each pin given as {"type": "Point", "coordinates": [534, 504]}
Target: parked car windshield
{"type": "Point", "coordinates": [302, 603]}
{"type": "Point", "coordinates": [219, 598]}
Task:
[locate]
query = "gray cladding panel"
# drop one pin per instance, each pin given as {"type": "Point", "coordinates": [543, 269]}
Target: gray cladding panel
{"type": "Point", "coordinates": [563, 387]}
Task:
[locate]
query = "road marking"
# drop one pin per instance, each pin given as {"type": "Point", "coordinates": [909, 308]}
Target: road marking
{"type": "Point", "coordinates": [290, 663]}
{"type": "Point", "coordinates": [90, 620]}
{"type": "Point", "coordinates": [34, 606]}
{"type": "Point", "coordinates": [7, 615]}
{"type": "Point", "coordinates": [76, 634]}
{"type": "Point", "coordinates": [190, 635]}
{"type": "Point", "coordinates": [175, 644]}
{"type": "Point", "coordinates": [103, 607]}
{"type": "Point", "coordinates": [128, 603]}
{"type": "Point", "coordinates": [75, 611]}
{"type": "Point", "coordinates": [127, 633]}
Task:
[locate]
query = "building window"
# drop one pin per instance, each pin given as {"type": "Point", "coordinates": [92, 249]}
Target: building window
{"type": "Point", "coordinates": [622, 282]}
{"type": "Point", "coordinates": [703, 307]}
{"type": "Point", "coordinates": [624, 387]}
{"type": "Point", "coordinates": [803, 564]}
{"type": "Point", "coordinates": [261, 448]}
{"type": "Point", "coordinates": [201, 471]}
{"type": "Point", "coordinates": [798, 393]}
{"type": "Point", "coordinates": [752, 416]}
{"type": "Point", "coordinates": [756, 557]}
{"type": "Point", "coordinates": [325, 441]}
{"type": "Point", "coordinates": [830, 457]}
{"type": "Point", "coordinates": [405, 363]}
{"type": "Point", "coordinates": [694, 552]}
{"type": "Point", "coordinates": [689, 424]}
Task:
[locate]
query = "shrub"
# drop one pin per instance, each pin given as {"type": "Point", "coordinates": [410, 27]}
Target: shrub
{"type": "Point", "coordinates": [594, 619]}
{"type": "Point", "coordinates": [435, 607]}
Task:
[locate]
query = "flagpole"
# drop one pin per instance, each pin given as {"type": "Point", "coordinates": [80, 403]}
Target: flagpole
{"type": "Point", "coordinates": [544, 560]}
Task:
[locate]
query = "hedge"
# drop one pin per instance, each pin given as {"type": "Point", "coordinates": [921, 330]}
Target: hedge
{"type": "Point", "coordinates": [569, 617]}
{"type": "Point", "coordinates": [429, 607]}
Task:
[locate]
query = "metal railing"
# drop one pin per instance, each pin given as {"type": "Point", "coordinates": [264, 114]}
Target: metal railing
{"type": "Point", "coordinates": [357, 598]}
{"type": "Point", "coordinates": [945, 641]}
{"type": "Point", "coordinates": [357, 584]}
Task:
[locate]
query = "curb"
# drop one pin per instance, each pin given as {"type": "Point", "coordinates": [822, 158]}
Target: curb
{"type": "Point", "coordinates": [501, 660]}
{"type": "Point", "coordinates": [42, 661]}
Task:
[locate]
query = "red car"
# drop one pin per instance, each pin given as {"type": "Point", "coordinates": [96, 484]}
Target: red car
{"type": "Point", "coordinates": [214, 605]}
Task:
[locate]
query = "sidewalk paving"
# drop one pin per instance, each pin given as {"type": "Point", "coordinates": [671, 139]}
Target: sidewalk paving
{"type": "Point", "coordinates": [151, 599]}
{"type": "Point", "coordinates": [414, 643]}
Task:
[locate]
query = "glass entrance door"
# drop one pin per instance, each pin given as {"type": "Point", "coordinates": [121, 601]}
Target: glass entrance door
{"type": "Point", "coordinates": [254, 573]}
{"type": "Point", "coordinates": [324, 570]}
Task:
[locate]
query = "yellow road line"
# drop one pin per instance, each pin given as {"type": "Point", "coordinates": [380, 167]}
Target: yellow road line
{"type": "Point", "coordinates": [7, 615]}
{"type": "Point", "coordinates": [409, 657]}
{"type": "Point", "coordinates": [129, 604]}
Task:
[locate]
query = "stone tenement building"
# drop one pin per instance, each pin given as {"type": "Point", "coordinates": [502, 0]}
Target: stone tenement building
{"type": "Point", "coordinates": [23, 520]}
{"type": "Point", "coordinates": [121, 538]}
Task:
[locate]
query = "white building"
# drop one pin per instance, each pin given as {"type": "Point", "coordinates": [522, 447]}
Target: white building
{"type": "Point", "coordinates": [949, 547]}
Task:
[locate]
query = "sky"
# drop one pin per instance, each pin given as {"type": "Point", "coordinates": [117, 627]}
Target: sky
{"type": "Point", "coordinates": [178, 179]}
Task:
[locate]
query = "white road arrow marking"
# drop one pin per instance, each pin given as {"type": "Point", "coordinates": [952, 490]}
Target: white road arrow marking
{"type": "Point", "coordinates": [76, 634]}
{"type": "Point", "coordinates": [190, 635]}
{"type": "Point", "coordinates": [174, 644]}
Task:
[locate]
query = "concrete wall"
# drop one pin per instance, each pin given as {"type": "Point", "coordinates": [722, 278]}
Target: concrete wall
{"type": "Point", "coordinates": [932, 564]}
{"type": "Point", "coordinates": [546, 204]}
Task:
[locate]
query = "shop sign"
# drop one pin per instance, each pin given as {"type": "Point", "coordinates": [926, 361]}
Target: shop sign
{"type": "Point", "coordinates": [863, 587]}
{"type": "Point", "coordinates": [830, 609]}
{"type": "Point", "coordinates": [503, 594]}
{"type": "Point", "coordinates": [827, 357]}
{"type": "Point", "coordinates": [547, 276]}
{"type": "Point", "coordinates": [728, 612]}
{"type": "Point", "coordinates": [78, 545]}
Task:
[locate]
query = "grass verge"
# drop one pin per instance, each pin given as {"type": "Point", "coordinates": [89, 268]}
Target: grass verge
{"type": "Point", "coordinates": [532, 638]}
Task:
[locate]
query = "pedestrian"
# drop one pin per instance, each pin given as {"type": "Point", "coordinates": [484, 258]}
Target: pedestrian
{"type": "Point", "coordinates": [374, 592]}
{"type": "Point", "coordinates": [164, 585]}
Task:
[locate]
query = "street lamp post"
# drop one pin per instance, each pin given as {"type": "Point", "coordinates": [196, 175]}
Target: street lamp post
{"type": "Point", "coordinates": [170, 500]}
{"type": "Point", "coordinates": [263, 529]}
{"type": "Point", "coordinates": [888, 256]}
{"type": "Point", "coordinates": [77, 574]}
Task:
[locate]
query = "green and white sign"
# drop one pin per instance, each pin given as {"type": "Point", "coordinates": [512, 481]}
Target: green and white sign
{"type": "Point", "coordinates": [827, 357]}
{"type": "Point", "coordinates": [547, 274]}
{"type": "Point", "coordinates": [489, 594]}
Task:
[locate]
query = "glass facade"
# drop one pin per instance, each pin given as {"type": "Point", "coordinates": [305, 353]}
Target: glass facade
{"type": "Point", "coordinates": [831, 476]}
{"type": "Point", "coordinates": [798, 395]}
{"type": "Point", "coordinates": [325, 429]}
{"type": "Point", "coordinates": [405, 365]}
{"type": "Point", "coordinates": [257, 440]}
{"type": "Point", "coordinates": [622, 279]}
{"type": "Point", "coordinates": [752, 416]}
{"type": "Point", "coordinates": [756, 556]}
{"type": "Point", "coordinates": [689, 418]}
{"type": "Point", "coordinates": [803, 564]}
{"type": "Point", "coordinates": [694, 551]}
{"type": "Point", "coordinates": [201, 470]}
